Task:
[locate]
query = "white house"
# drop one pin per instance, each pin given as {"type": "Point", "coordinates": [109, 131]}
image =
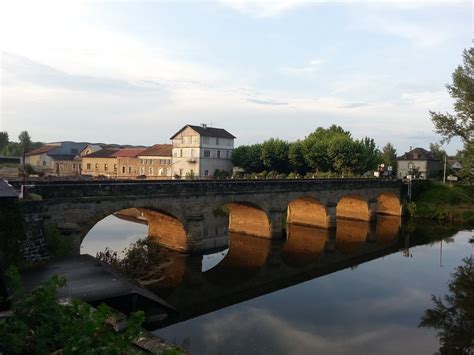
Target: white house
{"type": "Point", "coordinates": [201, 150]}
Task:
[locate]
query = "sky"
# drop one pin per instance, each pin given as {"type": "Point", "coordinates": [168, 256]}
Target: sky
{"type": "Point", "coordinates": [135, 72]}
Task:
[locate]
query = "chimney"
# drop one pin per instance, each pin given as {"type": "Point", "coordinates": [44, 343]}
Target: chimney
{"type": "Point", "coordinates": [203, 125]}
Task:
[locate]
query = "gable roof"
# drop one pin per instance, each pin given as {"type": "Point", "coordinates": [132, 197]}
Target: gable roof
{"type": "Point", "coordinates": [127, 153]}
{"type": "Point", "coordinates": [159, 150]}
{"type": "Point", "coordinates": [418, 154]}
{"type": "Point", "coordinates": [208, 132]}
{"type": "Point", "coordinates": [42, 150]}
{"type": "Point", "coordinates": [103, 153]}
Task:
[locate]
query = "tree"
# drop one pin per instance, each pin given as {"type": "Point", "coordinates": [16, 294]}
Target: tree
{"type": "Point", "coordinates": [389, 156]}
{"type": "Point", "coordinates": [25, 141]}
{"type": "Point", "coordinates": [437, 151]}
{"type": "Point", "coordinates": [274, 155]}
{"type": "Point", "coordinates": [248, 157]}
{"type": "Point", "coordinates": [371, 154]}
{"type": "Point", "coordinates": [453, 317]}
{"type": "Point", "coordinates": [461, 124]}
{"type": "Point", "coordinates": [296, 158]}
{"type": "Point", "coordinates": [3, 140]}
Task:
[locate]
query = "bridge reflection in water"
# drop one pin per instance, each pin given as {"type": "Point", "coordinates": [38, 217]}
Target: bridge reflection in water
{"type": "Point", "coordinates": [253, 266]}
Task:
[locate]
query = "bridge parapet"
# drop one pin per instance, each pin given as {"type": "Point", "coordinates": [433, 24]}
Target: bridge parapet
{"type": "Point", "coordinates": [60, 190]}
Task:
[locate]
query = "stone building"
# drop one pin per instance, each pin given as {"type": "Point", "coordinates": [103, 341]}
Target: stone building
{"type": "Point", "coordinates": [418, 161]}
{"type": "Point", "coordinates": [200, 150]}
{"type": "Point", "coordinates": [156, 161]}
{"type": "Point", "coordinates": [101, 163]}
{"type": "Point", "coordinates": [58, 159]}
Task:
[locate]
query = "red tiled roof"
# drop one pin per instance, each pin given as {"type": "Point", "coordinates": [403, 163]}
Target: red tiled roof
{"type": "Point", "coordinates": [160, 150]}
{"type": "Point", "coordinates": [127, 153]}
{"type": "Point", "coordinates": [41, 150]}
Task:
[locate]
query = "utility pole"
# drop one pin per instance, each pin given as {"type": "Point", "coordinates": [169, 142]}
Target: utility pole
{"type": "Point", "coordinates": [444, 173]}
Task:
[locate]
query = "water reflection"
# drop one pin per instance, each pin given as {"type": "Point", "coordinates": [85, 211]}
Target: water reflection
{"type": "Point", "coordinates": [240, 300]}
{"type": "Point", "coordinates": [303, 245]}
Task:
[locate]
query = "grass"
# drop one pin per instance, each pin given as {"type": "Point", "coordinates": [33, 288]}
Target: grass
{"type": "Point", "coordinates": [444, 202]}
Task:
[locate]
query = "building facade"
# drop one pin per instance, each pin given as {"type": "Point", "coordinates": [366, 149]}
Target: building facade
{"type": "Point", "coordinates": [156, 162]}
{"type": "Point", "coordinates": [198, 151]}
{"type": "Point", "coordinates": [58, 159]}
{"type": "Point", "coordinates": [418, 162]}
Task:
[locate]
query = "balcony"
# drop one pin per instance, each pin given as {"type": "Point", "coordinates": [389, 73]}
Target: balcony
{"type": "Point", "coordinates": [191, 160]}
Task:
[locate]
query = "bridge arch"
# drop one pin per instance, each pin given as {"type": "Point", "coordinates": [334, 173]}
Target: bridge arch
{"type": "Point", "coordinates": [163, 227]}
{"type": "Point", "coordinates": [307, 211]}
{"type": "Point", "coordinates": [389, 204]}
{"type": "Point", "coordinates": [248, 218]}
{"type": "Point", "coordinates": [354, 207]}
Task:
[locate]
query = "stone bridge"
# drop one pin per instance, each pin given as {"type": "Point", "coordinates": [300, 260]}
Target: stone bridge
{"type": "Point", "coordinates": [177, 211]}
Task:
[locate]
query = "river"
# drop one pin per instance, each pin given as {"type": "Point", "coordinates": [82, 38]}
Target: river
{"type": "Point", "coordinates": [362, 290]}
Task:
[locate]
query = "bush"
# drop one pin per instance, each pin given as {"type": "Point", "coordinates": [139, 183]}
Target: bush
{"type": "Point", "coordinates": [41, 325]}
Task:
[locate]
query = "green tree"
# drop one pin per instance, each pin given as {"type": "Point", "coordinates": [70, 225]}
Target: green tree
{"type": "Point", "coordinates": [25, 141]}
{"type": "Point", "coordinates": [3, 140]}
{"type": "Point", "coordinates": [437, 151]}
{"type": "Point", "coordinates": [248, 157]}
{"type": "Point", "coordinates": [453, 317]}
{"type": "Point", "coordinates": [370, 156]}
{"type": "Point", "coordinates": [389, 156]}
{"type": "Point", "coordinates": [274, 155]}
{"type": "Point", "coordinates": [460, 124]}
{"type": "Point", "coordinates": [296, 157]}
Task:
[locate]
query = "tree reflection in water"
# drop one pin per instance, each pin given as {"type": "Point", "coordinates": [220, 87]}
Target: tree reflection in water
{"type": "Point", "coordinates": [453, 317]}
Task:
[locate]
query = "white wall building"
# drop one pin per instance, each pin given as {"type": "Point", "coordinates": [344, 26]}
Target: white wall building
{"type": "Point", "coordinates": [201, 150]}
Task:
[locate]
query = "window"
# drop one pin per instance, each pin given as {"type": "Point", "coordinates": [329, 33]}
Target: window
{"type": "Point", "coordinates": [217, 141]}
{"type": "Point", "coordinates": [106, 167]}
{"type": "Point", "coordinates": [44, 163]}
{"type": "Point", "coordinates": [206, 172]}
{"type": "Point", "coordinates": [175, 154]}
{"type": "Point", "coordinates": [150, 170]}
{"type": "Point", "coordinates": [129, 169]}
{"type": "Point", "coordinates": [168, 171]}
{"type": "Point", "coordinates": [205, 140]}
{"type": "Point", "coordinates": [410, 166]}
{"type": "Point", "coordinates": [150, 161]}
{"type": "Point", "coordinates": [227, 154]}
{"type": "Point", "coordinates": [160, 171]}
{"type": "Point", "coordinates": [123, 170]}
{"type": "Point", "coordinates": [142, 170]}
{"type": "Point", "coordinates": [192, 153]}
{"type": "Point", "coordinates": [96, 166]}
{"type": "Point", "coordinates": [115, 167]}
{"type": "Point", "coordinates": [74, 166]}
{"type": "Point", "coordinates": [194, 139]}
{"type": "Point", "coordinates": [88, 166]}
{"type": "Point", "coordinates": [218, 154]}
{"type": "Point", "coordinates": [228, 142]}
{"type": "Point", "coordinates": [180, 152]}
{"type": "Point", "coordinates": [180, 172]}
{"type": "Point", "coordinates": [207, 153]}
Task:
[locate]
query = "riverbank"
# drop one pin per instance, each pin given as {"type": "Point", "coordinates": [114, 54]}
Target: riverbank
{"type": "Point", "coordinates": [453, 203]}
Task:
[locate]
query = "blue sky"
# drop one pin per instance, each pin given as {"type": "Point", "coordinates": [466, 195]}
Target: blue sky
{"type": "Point", "coordinates": [134, 72]}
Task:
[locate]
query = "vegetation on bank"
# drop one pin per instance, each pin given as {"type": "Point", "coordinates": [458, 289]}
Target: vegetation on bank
{"type": "Point", "coordinates": [454, 203]}
{"type": "Point", "coordinates": [325, 151]}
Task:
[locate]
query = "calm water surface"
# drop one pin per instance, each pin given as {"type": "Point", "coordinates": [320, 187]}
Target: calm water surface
{"type": "Point", "coordinates": [313, 293]}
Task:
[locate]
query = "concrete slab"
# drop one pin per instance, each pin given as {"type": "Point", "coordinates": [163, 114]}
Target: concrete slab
{"type": "Point", "coordinates": [95, 283]}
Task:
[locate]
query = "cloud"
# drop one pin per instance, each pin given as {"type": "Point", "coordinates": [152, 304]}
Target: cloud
{"type": "Point", "coordinates": [355, 105]}
{"type": "Point", "coordinates": [265, 8]}
{"type": "Point", "coordinates": [20, 69]}
{"type": "Point", "coordinates": [267, 102]}
{"type": "Point", "coordinates": [304, 71]}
